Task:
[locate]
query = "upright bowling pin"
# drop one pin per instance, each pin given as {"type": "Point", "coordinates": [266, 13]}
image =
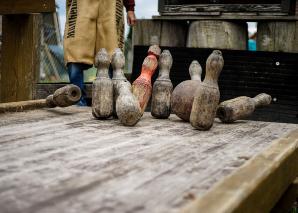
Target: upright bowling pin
{"type": "Point", "coordinates": [207, 95]}
{"type": "Point", "coordinates": [127, 106]}
{"type": "Point", "coordinates": [162, 88]}
{"type": "Point", "coordinates": [118, 63]}
{"type": "Point", "coordinates": [141, 87]}
{"type": "Point", "coordinates": [64, 96]}
{"type": "Point", "coordinates": [183, 94]}
{"type": "Point", "coordinates": [102, 88]}
{"type": "Point", "coordinates": [241, 107]}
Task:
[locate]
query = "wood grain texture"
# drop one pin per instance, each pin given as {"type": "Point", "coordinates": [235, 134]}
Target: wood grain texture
{"type": "Point", "coordinates": [19, 67]}
{"type": "Point", "coordinates": [229, 16]}
{"type": "Point", "coordinates": [169, 33]}
{"type": "Point", "coordinates": [222, 8]}
{"type": "Point", "coordinates": [63, 160]}
{"type": "Point", "coordinates": [22, 106]}
{"type": "Point", "coordinates": [278, 36]}
{"type": "Point", "coordinates": [257, 185]}
{"type": "Point", "coordinates": [27, 6]}
{"type": "Point", "coordinates": [244, 6]}
{"type": "Point", "coordinates": [217, 34]}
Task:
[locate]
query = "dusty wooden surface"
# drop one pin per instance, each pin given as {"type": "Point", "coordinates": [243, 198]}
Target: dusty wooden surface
{"type": "Point", "coordinates": [63, 160]}
{"type": "Point", "coordinates": [257, 185]}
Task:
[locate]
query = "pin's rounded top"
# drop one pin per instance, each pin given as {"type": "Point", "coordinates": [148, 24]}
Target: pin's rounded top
{"type": "Point", "coordinates": [217, 52]}
{"type": "Point", "coordinates": [118, 59]}
{"type": "Point", "coordinates": [195, 70]}
{"type": "Point", "coordinates": [154, 49]}
{"type": "Point", "coordinates": [215, 62]}
{"type": "Point", "coordinates": [102, 58]}
{"type": "Point", "coordinates": [165, 60]}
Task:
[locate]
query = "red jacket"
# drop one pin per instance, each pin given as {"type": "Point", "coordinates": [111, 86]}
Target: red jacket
{"type": "Point", "coordinates": [129, 5]}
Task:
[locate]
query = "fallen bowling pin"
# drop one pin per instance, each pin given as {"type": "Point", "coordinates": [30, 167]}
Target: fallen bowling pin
{"type": "Point", "coordinates": [102, 88]}
{"type": "Point", "coordinates": [207, 95]}
{"type": "Point", "coordinates": [162, 88]}
{"type": "Point", "coordinates": [64, 96]}
{"type": "Point", "coordinates": [183, 94]}
{"type": "Point", "coordinates": [127, 106]}
{"type": "Point", "coordinates": [241, 107]}
{"type": "Point", "coordinates": [141, 87]}
{"type": "Point", "coordinates": [118, 63]}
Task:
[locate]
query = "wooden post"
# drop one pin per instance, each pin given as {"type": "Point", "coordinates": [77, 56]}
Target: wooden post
{"type": "Point", "coordinates": [171, 34]}
{"type": "Point", "coordinates": [26, 6]}
{"type": "Point", "coordinates": [278, 36]}
{"type": "Point", "coordinates": [218, 34]}
{"type": "Point", "coordinates": [20, 62]}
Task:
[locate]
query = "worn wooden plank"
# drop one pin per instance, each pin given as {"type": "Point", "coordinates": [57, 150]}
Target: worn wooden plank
{"type": "Point", "coordinates": [217, 34]}
{"type": "Point", "coordinates": [169, 33]}
{"type": "Point", "coordinates": [22, 106]}
{"type": "Point", "coordinates": [285, 204]}
{"type": "Point", "coordinates": [229, 16]}
{"type": "Point", "coordinates": [57, 160]}
{"type": "Point", "coordinates": [20, 58]}
{"type": "Point", "coordinates": [27, 6]}
{"type": "Point", "coordinates": [257, 185]}
{"type": "Point", "coordinates": [278, 36]}
{"type": "Point", "coordinates": [221, 8]}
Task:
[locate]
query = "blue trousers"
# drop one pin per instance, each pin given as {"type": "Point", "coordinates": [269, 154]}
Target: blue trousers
{"type": "Point", "coordinates": [76, 77]}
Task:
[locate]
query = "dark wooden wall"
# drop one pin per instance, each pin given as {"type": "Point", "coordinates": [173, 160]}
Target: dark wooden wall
{"type": "Point", "coordinates": [193, 7]}
{"type": "Point", "coordinates": [245, 73]}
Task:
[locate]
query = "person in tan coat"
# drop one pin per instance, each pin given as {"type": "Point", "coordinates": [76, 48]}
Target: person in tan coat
{"type": "Point", "coordinates": [91, 25]}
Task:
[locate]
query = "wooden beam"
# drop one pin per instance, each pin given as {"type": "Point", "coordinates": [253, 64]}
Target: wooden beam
{"type": "Point", "coordinates": [277, 36]}
{"type": "Point", "coordinates": [26, 6]}
{"type": "Point", "coordinates": [228, 16]}
{"type": "Point", "coordinates": [217, 34]}
{"type": "Point", "coordinates": [20, 57]}
{"type": "Point", "coordinates": [257, 185]}
{"type": "Point", "coordinates": [288, 199]}
{"type": "Point", "coordinates": [222, 8]}
{"type": "Point", "coordinates": [22, 106]}
{"type": "Point", "coordinates": [171, 34]}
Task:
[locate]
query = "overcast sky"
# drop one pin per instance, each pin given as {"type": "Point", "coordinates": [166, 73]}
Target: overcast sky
{"type": "Point", "coordinates": [144, 9]}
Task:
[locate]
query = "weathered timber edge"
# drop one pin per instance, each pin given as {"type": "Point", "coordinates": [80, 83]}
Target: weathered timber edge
{"type": "Point", "coordinates": [288, 199]}
{"type": "Point", "coordinates": [257, 185]}
{"type": "Point", "coordinates": [241, 17]}
{"type": "Point", "coordinates": [22, 106]}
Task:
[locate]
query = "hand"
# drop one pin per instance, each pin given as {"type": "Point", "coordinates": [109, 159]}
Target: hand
{"type": "Point", "coordinates": [131, 18]}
